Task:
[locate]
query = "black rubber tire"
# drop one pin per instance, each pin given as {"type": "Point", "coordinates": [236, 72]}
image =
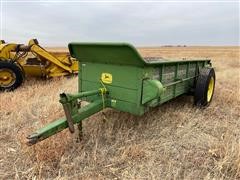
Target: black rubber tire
{"type": "Point", "coordinates": [201, 89]}
{"type": "Point", "coordinates": [19, 74]}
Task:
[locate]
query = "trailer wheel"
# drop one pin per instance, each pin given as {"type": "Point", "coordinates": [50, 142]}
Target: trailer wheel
{"type": "Point", "coordinates": [204, 87]}
{"type": "Point", "coordinates": [11, 76]}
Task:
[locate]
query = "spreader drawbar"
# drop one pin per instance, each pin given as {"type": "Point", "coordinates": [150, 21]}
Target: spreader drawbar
{"type": "Point", "coordinates": [73, 114]}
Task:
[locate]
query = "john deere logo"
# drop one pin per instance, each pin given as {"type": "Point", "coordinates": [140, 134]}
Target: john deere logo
{"type": "Point", "coordinates": [106, 78]}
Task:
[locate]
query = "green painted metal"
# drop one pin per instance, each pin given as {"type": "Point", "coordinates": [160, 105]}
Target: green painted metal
{"type": "Point", "coordinates": [114, 53]}
{"type": "Point", "coordinates": [114, 75]}
{"type": "Point", "coordinates": [152, 89]}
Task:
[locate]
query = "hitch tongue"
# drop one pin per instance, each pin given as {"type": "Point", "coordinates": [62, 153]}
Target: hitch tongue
{"type": "Point", "coordinates": [73, 115]}
{"type": "Point", "coordinates": [32, 139]}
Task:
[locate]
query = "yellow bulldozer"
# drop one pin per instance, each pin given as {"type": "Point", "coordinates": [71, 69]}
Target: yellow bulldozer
{"type": "Point", "coordinates": [18, 61]}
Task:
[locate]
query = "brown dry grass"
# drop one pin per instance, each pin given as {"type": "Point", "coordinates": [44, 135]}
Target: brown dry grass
{"type": "Point", "coordinates": [173, 141]}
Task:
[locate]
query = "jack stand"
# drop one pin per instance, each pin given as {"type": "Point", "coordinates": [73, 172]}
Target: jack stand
{"type": "Point", "coordinates": [80, 131]}
{"type": "Point", "coordinates": [104, 117]}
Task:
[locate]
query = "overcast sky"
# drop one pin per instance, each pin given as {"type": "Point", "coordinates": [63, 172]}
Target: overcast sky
{"type": "Point", "coordinates": [143, 24]}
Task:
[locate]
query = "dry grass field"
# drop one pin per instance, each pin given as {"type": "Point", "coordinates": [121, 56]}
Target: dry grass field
{"type": "Point", "coordinates": [174, 141]}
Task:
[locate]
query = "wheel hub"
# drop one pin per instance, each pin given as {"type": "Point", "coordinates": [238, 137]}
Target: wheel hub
{"type": "Point", "coordinates": [210, 89]}
{"type": "Point", "coordinates": [7, 77]}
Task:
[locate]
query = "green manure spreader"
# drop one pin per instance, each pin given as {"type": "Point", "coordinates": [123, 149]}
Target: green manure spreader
{"type": "Point", "coordinates": [114, 75]}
